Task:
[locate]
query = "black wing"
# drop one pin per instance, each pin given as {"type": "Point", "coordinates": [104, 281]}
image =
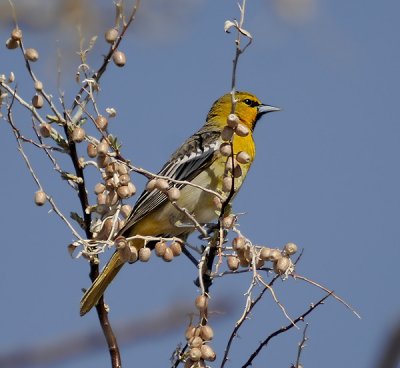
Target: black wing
{"type": "Point", "coordinates": [195, 155]}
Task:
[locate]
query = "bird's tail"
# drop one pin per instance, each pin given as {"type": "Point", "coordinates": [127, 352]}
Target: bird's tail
{"type": "Point", "coordinates": [94, 293]}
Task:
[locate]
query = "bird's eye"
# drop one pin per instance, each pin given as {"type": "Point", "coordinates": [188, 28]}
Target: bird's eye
{"type": "Point", "coordinates": [249, 102]}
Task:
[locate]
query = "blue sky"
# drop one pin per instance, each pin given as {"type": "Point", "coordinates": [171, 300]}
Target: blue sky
{"type": "Point", "coordinates": [325, 177]}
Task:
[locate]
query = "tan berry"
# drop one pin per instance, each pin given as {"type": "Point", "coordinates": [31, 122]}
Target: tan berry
{"type": "Point", "coordinates": [162, 185]}
{"type": "Point", "coordinates": [40, 198]}
{"type": "Point", "coordinates": [168, 256]}
{"type": "Point", "coordinates": [101, 122]}
{"type": "Point", "coordinates": [134, 254]}
{"type": "Point", "coordinates": [190, 332]}
{"type": "Point", "coordinates": [125, 253]}
{"type": "Point", "coordinates": [227, 184]}
{"type": "Point", "coordinates": [45, 130]}
{"type": "Point", "coordinates": [233, 263]}
{"type": "Point", "coordinates": [124, 179]}
{"type": "Point", "coordinates": [275, 255]}
{"type": "Point", "coordinates": [112, 198]}
{"type": "Point", "coordinates": [206, 333]}
{"type": "Point", "coordinates": [227, 133]}
{"type": "Point", "coordinates": [282, 265]}
{"type": "Point", "coordinates": [38, 85]}
{"type": "Point", "coordinates": [111, 35]}
{"type": "Point", "coordinates": [78, 134]}
{"type": "Point", "coordinates": [110, 183]}
{"type": "Point", "coordinates": [126, 210]}
{"type": "Point", "coordinates": [91, 150]}
{"type": "Point", "coordinates": [195, 342]}
{"type": "Point", "coordinates": [110, 170]}
{"type": "Point", "coordinates": [243, 157]}
{"type": "Point", "coordinates": [16, 34]}
{"type": "Point", "coordinates": [265, 253]}
{"type": "Point", "coordinates": [207, 353]}
{"type": "Point", "coordinates": [243, 261]}
{"type": "Point", "coordinates": [121, 242]}
{"type": "Point", "coordinates": [101, 198]}
{"type": "Point", "coordinates": [160, 248]}
{"type": "Point", "coordinates": [99, 188]}
{"type": "Point", "coordinates": [242, 130]}
{"type": "Point", "coordinates": [174, 194]}
{"type": "Point", "coordinates": [122, 169]}
{"type": "Point", "coordinates": [144, 254]}
{"type": "Point", "coordinates": [37, 101]}
{"type": "Point", "coordinates": [12, 44]}
{"type": "Point", "coordinates": [230, 163]}
{"type": "Point", "coordinates": [11, 77]}
{"type": "Point", "coordinates": [31, 54]}
{"type": "Point", "coordinates": [237, 172]}
{"type": "Point", "coordinates": [151, 184]}
{"type": "Point", "coordinates": [239, 243]}
{"type": "Point", "coordinates": [123, 192]}
{"type": "Point", "coordinates": [119, 58]}
{"type": "Point", "coordinates": [131, 188]}
{"type": "Point", "coordinates": [290, 248]}
{"type": "Point", "coordinates": [102, 148]}
{"type": "Point", "coordinates": [225, 149]}
{"type": "Point", "coordinates": [232, 121]}
{"type": "Point", "coordinates": [195, 354]}
{"type": "Point", "coordinates": [201, 302]}
{"type": "Point", "coordinates": [260, 263]}
{"type": "Point", "coordinates": [176, 248]}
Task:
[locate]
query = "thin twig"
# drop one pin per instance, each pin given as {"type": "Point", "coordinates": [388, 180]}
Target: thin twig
{"type": "Point", "coordinates": [265, 342]}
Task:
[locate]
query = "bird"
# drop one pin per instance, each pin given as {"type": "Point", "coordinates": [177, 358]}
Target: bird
{"type": "Point", "coordinates": [200, 160]}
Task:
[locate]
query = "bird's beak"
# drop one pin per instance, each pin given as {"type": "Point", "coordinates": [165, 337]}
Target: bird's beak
{"type": "Point", "coordinates": [263, 109]}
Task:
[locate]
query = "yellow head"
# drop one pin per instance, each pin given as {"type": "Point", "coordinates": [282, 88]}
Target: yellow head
{"type": "Point", "coordinates": [248, 108]}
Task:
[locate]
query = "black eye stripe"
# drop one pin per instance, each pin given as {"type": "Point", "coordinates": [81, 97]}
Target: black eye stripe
{"type": "Point", "coordinates": [250, 102]}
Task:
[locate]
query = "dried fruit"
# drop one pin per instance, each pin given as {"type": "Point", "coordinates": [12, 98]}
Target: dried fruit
{"type": "Point", "coordinates": [206, 333]}
{"type": "Point", "coordinates": [176, 248]}
{"type": "Point", "coordinates": [195, 342]}
{"type": "Point", "coordinates": [40, 198]}
{"type": "Point", "coordinates": [102, 148]}
{"type": "Point", "coordinates": [37, 101]}
{"type": "Point", "coordinates": [31, 54]}
{"type": "Point", "coordinates": [162, 185]}
{"type": "Point", "coordinates": [239, 243]}
{"type": "Point", "coordinates": [290, 248]}
{"type": "Point", "coordinates": [207, 353]}
{"type": "Point", "coordinates": [99, 188]}
{"type": "Point", "coordinates": [119, 58]}
{"type": "Point", "coordinates": [12, 44]}
{"type": "Point", "coordinates": [242, 130]}
{"type": "Point", "coordinates": [227, 133]}
{"type": "Point", "coordinates": [201, 302]}
{"type": "Point", "coordinates": [123, 192]}
{"type": "Point", "coordinates": [144, 254]}
{"type": "Point", "coordinates": [282, 265]}
{"type": "Point", "coordinates": [160, 248]}
{"type": "Point", "coordinates": [126, 210]}
{"type": "Point", "coordinates": [275, 255]}
{"type": "Point", "coordinates": [78, 134]}
{"type": "Point", "coordinates": [91, 150]}
{"type": "Point", "coordinates": [174, 194]}
{"type": "Point", "coordinates": [227, 184]}
{"type": "Point", "coordinates": [243, 157]}
{"type": "Point", "coordinates": [225, 149]}
{"type": "Point", "coordinates": [168, 256]}
{"type": "Point", "coordinates": [38, 85]}
{"type": "Point", "coordinates": [232, 121]}
{"type": "Point", "coordinates": [101, 122]}
{"type": "Point", "coordinates": [151, 184]}
{"type": "Point", "coordinates": [111, 35]}
{"type": "Point", "coordinates": [233, 263]}
{"type": "Point", "coordinates": [265, 253]}
{"type": "Point", "coordinates": [195, 354]}
{"type": "Point", "coordinates": [45, 130]}
{"type": "Point", "coordinates": [16, 34]}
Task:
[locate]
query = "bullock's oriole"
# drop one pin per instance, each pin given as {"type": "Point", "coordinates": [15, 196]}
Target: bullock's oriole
{"type": "Point", "coordinates": [200, 161]}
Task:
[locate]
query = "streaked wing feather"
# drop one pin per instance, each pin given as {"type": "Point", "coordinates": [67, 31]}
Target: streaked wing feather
{"type": "Point", "coordinates": [185, 163]}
